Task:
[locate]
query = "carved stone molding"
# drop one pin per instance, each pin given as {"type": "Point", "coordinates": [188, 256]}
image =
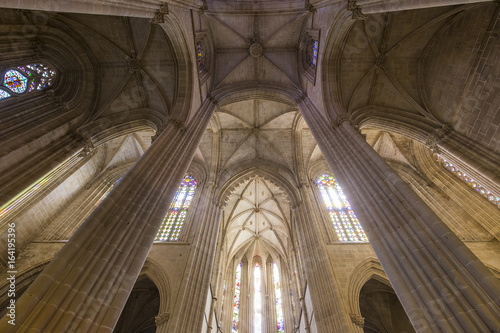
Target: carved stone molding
{"type": "Point", "coordinates": [134, 65]}
{"type": "Point", "coordinates": [339, 120]}
{"type": "Point", "coordinates": [356, 10]}
{"type": "Point", "coordinates": [381, 60]}
{"type": "Point", "coordinates": [178, 124]}
{"type": "Point", "coordinates": [436, 136]}
{"type": "Point", "coordinates": [357, 319]}
{"type": "Point", "coordinates": [255, 50]}
{"type": "Point", "coordinates": [159, 13]}
{"type": "Point", "coordinates": [162, 318]}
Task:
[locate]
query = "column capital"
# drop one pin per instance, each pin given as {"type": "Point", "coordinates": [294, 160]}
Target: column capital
{"type": "Point", "coordinates": [436, 136]}
{"type": "Point", "coordinates": [357, 319]}
{"type": "Point", "coordinates": [159, 14]}
{"type": "Point", "coordinates": [178, 124]}
{"type": "Point", "coordinates": [340, 120]}
{"type": "Point", "coordinates": [162, 318]}
{"type": "Point", "coordinates": [356, 10]}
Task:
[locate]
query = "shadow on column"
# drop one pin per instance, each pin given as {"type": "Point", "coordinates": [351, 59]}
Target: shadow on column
{"type": "Point", "coordinates": [143, 305]}
{"type": "Point", "coordinates": [382, 310]}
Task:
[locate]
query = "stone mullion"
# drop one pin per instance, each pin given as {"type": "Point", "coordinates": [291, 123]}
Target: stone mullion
{"type": "Point", "coordinates": [327, 305]}
{"type": "Point", "coordinates": [227, 308]}
{"type": "Point", "coordinates": [415, 244]}
{"type": "Point", "coordinates": [245, 304]}
{"type": "Point", "coordinates": [87, 284]}
{"type": "Point", "coordinates": [192, 308]}
{"type": "Point", "coordinates": [285, 298]}
{"type": "Point", "coordinates": [270, 318]}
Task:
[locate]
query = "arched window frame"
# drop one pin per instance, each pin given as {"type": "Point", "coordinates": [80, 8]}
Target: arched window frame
{"type": "Point", "coordinates": [39, 77]}
{"type": "Point", "coordinates": [309, 54]}
{"type": "Point", "coordinates": [186, 224]}
{"type": "Point", "coordinates": [330, 227]}
{"type": "Point", "coordinates": [202, 46]}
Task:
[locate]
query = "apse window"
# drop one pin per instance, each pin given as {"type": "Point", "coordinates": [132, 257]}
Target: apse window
{"type": "Point", "coordinates": [346, 224]}
{"type": "Point", "coordinates": [174, 220]}
{"type": "Point", "coordinates": [199, 56]}
{"type": "Point", "coordinates": [315, 49]}
{"type": "Point", "coordinates": [236, 302]}
{"type": "Point", "coordinates": [279, 300]}
{"type": "Point", "coordinates": [26, 79]}
{"type": "Point", "coordinates": [257, 298]}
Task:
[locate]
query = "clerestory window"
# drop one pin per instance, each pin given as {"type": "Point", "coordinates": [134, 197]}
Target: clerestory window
{"type": "Point", "coordinates": [344, 221]}
{"type": "Point", "coordinates": [174, 220]}
{"type": "Point", "coordinates": [25, 79]}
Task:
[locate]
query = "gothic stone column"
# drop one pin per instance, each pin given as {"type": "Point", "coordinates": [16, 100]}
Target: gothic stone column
{"type": "Point", "coordinates": [329, 313]}
{"type": "Point", "coordinates": [440, 283]}
{"type": "Point", "coordinates": [86, 286]}
{"type": "Point", "coordinates": [190, 308]}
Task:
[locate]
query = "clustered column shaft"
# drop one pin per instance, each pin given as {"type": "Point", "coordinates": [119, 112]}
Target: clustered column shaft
{"type": "Point", "coordinates": [87, 284]}
{"type": "Point", "coordinates": [441, 284]}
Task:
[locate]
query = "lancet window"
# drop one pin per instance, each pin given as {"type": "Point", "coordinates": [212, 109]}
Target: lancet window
{"type": "Point", "coordinates": [346, 224]}
{"type": "Point", "coordinates": [174, 220]}
{"type": "Point", "coordinates": [236, 302]}
{"type": "Point", "coordinates": [26, 79]}
{"type": "Point", "coordinates": [279, 299]}
{"type": "Point", "coordinates": [257, 298]}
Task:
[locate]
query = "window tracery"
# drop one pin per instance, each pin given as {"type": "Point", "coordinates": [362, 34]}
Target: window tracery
{"type": "Point", "coordinates": [344, 220]}
{"type": "Point", "coordinates": [174, 220]}
{"type": "Point", "coordinates": [26, 79]}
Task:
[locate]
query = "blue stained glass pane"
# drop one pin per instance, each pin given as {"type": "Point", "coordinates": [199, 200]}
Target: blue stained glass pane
{"type": "Point", "coordinates": [15, 81]}
{"type": "Point", "coordinates": [4, 94]}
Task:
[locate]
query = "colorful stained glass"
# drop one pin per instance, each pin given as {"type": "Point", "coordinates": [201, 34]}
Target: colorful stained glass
{"type": "Point", "coordinates": [315, 53]}
{"type": "Point", "coordinates": [15, 81]}
{"type": "Point", "coordinates": [236, 302]}
{"type": "Point", "coordinates": [493, 198]}
{"type": "Point", "coordinates": [257, 299]}
{"type": "Point", "coordinates": [279, 300]}
{"type": "Point", "coordinates": [28, 78]}
{"type": "Point", "coordinates": [345, 223]}
{"type": "Point", "coordinates": [4, 94]}
{"type": "Point", "coordinates": [199, 55]}
{"type": "Point", "coordinates": [171, 227]}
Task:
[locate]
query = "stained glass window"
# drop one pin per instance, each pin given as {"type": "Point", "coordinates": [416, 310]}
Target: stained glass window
{"type": "Point", "coordinates": [344, 221]}
{"type": "Point", "coordinates": [279, 301]}
{"type": "Point", "coordinates": [28, 78]}
{"type": "Point", "coordinates": [174, 220]}
{"type": "Point", "coordinates": [4, 94]}
{"type": "Point", "coordinates": [15, 81]}
{"type": "Point", "coordinates": [199, 55]}
{"type": "Point", "coordinates": [493, 198]}
{"type": "Point", "coordinates": [257, 299]}
{"type": "Point", "coordinates": [236, 303]}
{"type": "Point", "coordinates": [315, 47]}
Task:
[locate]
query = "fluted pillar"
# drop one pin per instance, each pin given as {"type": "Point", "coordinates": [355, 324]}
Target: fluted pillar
{"type": "Point", "coordinates": [86, 286]}
{"type": "Point", "coordinates": [440, 283]}
{"type": "Point", "coordinates": [329, 314]}
{"type": "Point", "coordinates": [190, 309]}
